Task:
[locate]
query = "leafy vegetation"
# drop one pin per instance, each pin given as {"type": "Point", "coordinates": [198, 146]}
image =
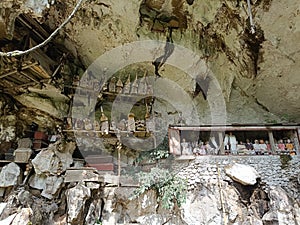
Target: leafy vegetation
{"type": "Point", "coordinates": [170, 189]}
{"type": "Point", "coordinates": [161, 152]}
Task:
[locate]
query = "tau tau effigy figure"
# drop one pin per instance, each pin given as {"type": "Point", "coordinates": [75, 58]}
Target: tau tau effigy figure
{"type": "Point", "coordinates": [87, 124]}
{"type": "Point", "coordinates": [79, 124]}
{"type": "Point", "coordinates": [126, 89]}
{"type": "Point", "coordinates": [96, 125]}
{"type": "Point", "coordinates": [135, 86]}
{"type": "Point", "coordinates": [112, 85]}
{"type": "Point", "coordinates": [119, 86]}
{"type": "Point", "coordinates": [149, 88]}
{"type": "Point", "coordinates": [131, 123]}
{"type": "Point", "coordinates": [142, 88]}
{"type": "Point", "coordinates": [104, 124]}
{"type": "Point", "coordinates": [68, 125]}
{"type": "Point", "coordinates": [113, 126]}
{"type": "Point", "coordinates": [150, 123]}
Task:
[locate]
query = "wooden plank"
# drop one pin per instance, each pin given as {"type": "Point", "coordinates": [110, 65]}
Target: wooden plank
{"type": "Point", "coordinates": [174, 142]}
{"type": "Point", "coordinates": [82, 175]}
{"type": "Point", "coordinates": [272, 142]}
{"type": "Point", "coordinates": [15, 71]}
{"type": "Point", "coordinates": [8, 74]}
{"type": "Point", "coordinates": [234, 128]}
{"type": "Point", "coordinates": [29, 77]}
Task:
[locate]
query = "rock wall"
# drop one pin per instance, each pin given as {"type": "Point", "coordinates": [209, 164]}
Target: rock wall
{"type": "Point", "coordinates": [242, 190]}
{"type": "Point", "coordinates": [274, 170]}
{"type": "Point", "coordinates": [215, 198]}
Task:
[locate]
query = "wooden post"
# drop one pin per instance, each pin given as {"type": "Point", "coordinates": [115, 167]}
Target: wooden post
{"type": "Point", "coordinates": [119, 162]}
{"type": "Point", "coordinates": [221, 143]}
{"type": "Point", "coordinates": [297, 135]}
{"type": "Point", "coordinates": [272, 142]}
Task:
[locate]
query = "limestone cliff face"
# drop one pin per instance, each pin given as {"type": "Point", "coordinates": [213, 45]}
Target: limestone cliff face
{"type": "Point", "coordinates": [257, 73]}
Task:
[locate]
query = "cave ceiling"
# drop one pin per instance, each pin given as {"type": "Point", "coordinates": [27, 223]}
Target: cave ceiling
{"type": "Point", "coordinates": [257, 72]}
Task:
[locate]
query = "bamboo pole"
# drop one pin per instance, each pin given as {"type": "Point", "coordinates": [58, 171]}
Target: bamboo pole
{"type": "Point", "coordinates": [222, 197]}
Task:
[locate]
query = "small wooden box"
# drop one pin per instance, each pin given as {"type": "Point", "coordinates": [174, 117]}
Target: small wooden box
{"type": "Point", "coordinates": [38, 144]}
{"type": "Point", "coordinates": [22, 155]}
{"type": "Point", "coordinates": [98, 159]}
{"type": "Point", "coordinates": [38, 135]}
{"type": "Point", "coordinates": [103, 166]}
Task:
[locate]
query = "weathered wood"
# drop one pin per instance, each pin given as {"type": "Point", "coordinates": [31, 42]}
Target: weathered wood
{"type": "Point", "coordinates": [77, 175]}
{"type": "Point", "coordinates": [272, 142]}
{"type": "Point", "coordinates": [234, 128]}
{"type": "Point", "coordinates": [29, 77]}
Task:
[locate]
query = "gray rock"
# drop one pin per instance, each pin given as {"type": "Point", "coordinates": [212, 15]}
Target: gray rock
{"type": "Point", "coordinates": [55, 159]}
{"type": "Point", "coordinates": [10, 175]}
{"type": "Point", "coordinates": [241, 173]}
{"type": "Point", "coordinates": [76, 198]}
{"type": "Point", "coordinates": [23, 217]}
{"type": "Point", "coordinates": [52, 185]}
{"type": "Point", "coordinates": [282, 210]}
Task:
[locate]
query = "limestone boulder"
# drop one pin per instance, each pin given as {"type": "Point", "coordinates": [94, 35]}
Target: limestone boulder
{"type": "Point", "coordinates": [55, 159]}
{"type": "Point", "coordinates": [10, 175]}
{"type": "Point", "coordinates": [76, 198]}
{"type": "Point", "coordinates": [52, 186]}
{"type": "Point", "coordinates": [282, 209]}
{"type": "Point", "coordinates": [241, 173]}
{"type": "Point", "coordinates": [49, 184]}
{"type": "Point", "coordinates": [23, 217]}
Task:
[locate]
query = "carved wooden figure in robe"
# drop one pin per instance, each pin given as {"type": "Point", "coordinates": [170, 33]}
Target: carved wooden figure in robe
{"type": "Point", "coordinates": [112, 85]}
{"type": "Point", "coordinates": [119, 86]}
{"type": "Point", "coordinates": [104, 124]}
{"type": "Point", "coordinates": [135, 86]}
{"type": "Point", "coordinates": [131, 123]}
{"type": "Point", "coordinates": [96, 125]}
{"type": "Point", "coordinates": [87, 124]}
{"type": "Point", "coordinates": [127, 85]}
{"type": "Point", "coordinates": [150, 124]}
{"type": "Point", "coordinates": [142, 88]}
{"type": "Point", "coordinates": [79, 124]}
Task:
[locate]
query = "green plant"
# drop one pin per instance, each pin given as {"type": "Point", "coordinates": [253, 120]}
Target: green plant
{"type": "Point", "coordinates": [170, 189]}
{"type": "Point", "coordinates": [98, 222]}
{"type": "Point", "coordinates": [160, 152]}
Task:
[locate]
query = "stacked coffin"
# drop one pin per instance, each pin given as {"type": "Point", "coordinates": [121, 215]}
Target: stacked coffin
{"type": "Point", "coordinates": [102, 163]}
{"type": "Point", "coordinates": [40, 140]}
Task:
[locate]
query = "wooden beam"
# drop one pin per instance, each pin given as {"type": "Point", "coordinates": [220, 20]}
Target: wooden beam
{"type": "Point", "coordinates": [272, 142]}
{"type": "Point", "coordinates": [8, 74]}
{"type": "Point", "coordinates": [236, 128]}
{"type": "Point", "coordinates": [221, 143]}
{"type": "Point", "coordinates": [29, 77]}
{"type": "Point", "coordinates": [15, 71]}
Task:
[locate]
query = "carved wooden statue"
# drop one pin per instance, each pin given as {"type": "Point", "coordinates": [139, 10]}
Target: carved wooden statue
{"type": "Point", "coordinates": [131, 123]}
{"type": "Point", "coordinates": [119, 86]}
{"type": "Point", "coordinates": [127, 85]}
{"type": "Point", "coordinates": [104, 124]}
{"type": "Point", "coordinates": [112, 85]}
{"type": "Point", "coordinates": [96, 125]}
{"type": "Point", "coordinates": [134, 86]}
{"type": "Point", "coordinates": [142, 88]}
{"type": "Point", "coordinates": [87, 124]}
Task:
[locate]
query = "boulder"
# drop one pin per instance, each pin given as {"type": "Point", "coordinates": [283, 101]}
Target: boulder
{"type": "Point", "coordinates": [76, 198]}
{"type": "Point", "coordinates": [52, 186]}
{"type": "Point", "coordinates": [23, 217]}
{"type": "Point", "coordinates": [38, 181]}
{"type": "Point", "coordinates": [55, 159]}
{"type": "Point", "coordinates": [10, 175]}
{"type": "Point", "coordinates": [241, 173]}
{"type": "Point", "coordinates": [49, 184]}
{"type": "Point", "coordinates": [282, 210]}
